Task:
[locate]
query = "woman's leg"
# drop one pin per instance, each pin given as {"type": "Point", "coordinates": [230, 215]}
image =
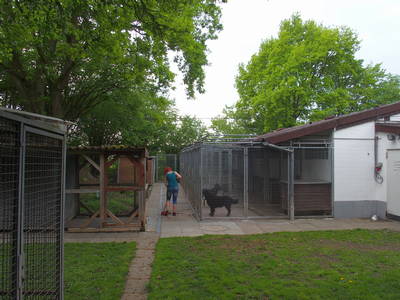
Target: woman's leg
{"type": "Point", "coordinates": [174, 200]}
{"type": "Point", "coordinates": [167, 203]}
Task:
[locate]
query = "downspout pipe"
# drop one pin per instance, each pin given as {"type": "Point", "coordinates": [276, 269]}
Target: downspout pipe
{"type": "Point", "coordinates": [377, 176]}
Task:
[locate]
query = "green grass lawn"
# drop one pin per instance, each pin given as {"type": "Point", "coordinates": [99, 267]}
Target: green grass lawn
{"type": "Point", "coordinates": [348, 264]}
{"type": "Point", "coordinates": [96, 271]}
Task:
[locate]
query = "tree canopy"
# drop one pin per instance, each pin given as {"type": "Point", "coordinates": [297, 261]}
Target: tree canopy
{"type": "Point", "coordinates": [307, 73]}
{"type": "Point", "coordinates": [64, 57]}
{"type": "Point", "coordinates": [139, 118]}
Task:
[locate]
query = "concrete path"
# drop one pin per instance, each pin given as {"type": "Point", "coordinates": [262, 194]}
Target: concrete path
{"type": "Point", "coordinates": [140, 268]}
{"type": "Point", "coordinates": [184, 224]}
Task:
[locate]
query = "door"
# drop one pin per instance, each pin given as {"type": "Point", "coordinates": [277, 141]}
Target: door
{"type": "Point", "coordinates": [393, 183]}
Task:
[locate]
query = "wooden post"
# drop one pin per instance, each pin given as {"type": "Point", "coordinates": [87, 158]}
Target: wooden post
{"type": "Point", "coordinates": [142, 210]}
{"type": "Point", "coordinates": [102, 190]}
{"type": "Point", "coordinates": [77, 184]}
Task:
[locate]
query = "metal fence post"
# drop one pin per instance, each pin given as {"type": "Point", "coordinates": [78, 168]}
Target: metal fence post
{"type": "Point", "coordinates": [230, 171]}
{"type": "Point", "coordinates": [246, 181]}
{"type": "Point", "coordinates": [291, 184]}
{"type": "Point", "coordinates": [201, 183]}
{"type": "Point", "coordinates": [20, 216]}
{"type": "Point", "coordinates": [62, 214]}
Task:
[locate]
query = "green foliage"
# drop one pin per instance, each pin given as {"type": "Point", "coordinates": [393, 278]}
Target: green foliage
{"type": "Point", "coordinates": [231, 121]}
{"type": "Point", "coordinates": [307, 73]}
{"type": "Point", "coordinates": [138, 119]}
{"type": "Point", "coordinates": [63, 57]}
{"type": "Point", "coordinates": [96, 271]}
{"type": "Point", "coordinates": [185, 131]}
{"type": "Point", "coordinates": [348, 264]}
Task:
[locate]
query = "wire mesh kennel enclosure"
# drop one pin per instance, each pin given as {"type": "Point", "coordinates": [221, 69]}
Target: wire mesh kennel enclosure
{"type": "Point", "coordinates": [165, 160]}
{"type": "Point", "coordinates": [32, 164]}
{"type": "Point", "coordinates": [236, 177]}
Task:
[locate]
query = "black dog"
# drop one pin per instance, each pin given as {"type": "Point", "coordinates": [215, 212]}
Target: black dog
{"type": "Point", "coordinates": [214, 201]}
{"type": "Point", "coordinates": [213, 191]}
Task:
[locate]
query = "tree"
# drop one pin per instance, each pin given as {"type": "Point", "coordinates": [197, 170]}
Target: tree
{"type": "Point", "coordinates": [63, 57]}
{"type": "Point", "coordinates": [186, 131]}
{"type": "Point", "coordinates": [307, 73]}
{"type": "Point", "coordinates": [229, 122]}
{"type": "Point", "coordinates": [139, 118]}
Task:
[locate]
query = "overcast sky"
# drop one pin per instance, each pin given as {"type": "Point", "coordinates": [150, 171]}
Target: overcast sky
{"type": "Point", "coordinates": [248, 22]}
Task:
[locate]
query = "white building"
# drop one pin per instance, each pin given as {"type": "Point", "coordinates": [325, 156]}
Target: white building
{"type": "Point", "coordinates": [350, 162]}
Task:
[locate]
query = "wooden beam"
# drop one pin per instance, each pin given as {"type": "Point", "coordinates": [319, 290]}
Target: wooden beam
{"type": "Point", "coordinates": [87, 223]}
{"type": "Point", "coordinates": [122, 188]}
{"type": "Point", "coordinates": [121, 226]}
{"type": "Point", "coordinates": [81, 191]}
{"type": "Point", "coordinates": [103, 194]}
{"type": "Point", "coordinates": [133, 227]}
{"type": "Point", "coordinates": [114, 217]}
{"type": "Point", "coordinates": [142, 210]}
{"type": "Point", "coordinates": [134, 214]}
{"type": "Point", "coordinates": [91, 162]}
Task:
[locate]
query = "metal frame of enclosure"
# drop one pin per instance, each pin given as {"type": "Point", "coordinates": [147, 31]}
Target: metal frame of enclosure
{"type": "Point", "coordinates": [32, 164]}
{"type": "Point", "coordinates": [313, 177]}
{"type": "Point", "coordinates": [246, 174]}
{"type": "Point", "coordinates": [259, 179]}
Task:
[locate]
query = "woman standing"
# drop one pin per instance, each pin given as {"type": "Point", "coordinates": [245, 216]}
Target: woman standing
{"type": "Point", "coordinates": [171, 180]}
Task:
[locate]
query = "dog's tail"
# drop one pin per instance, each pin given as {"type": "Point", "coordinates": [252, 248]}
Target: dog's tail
{"type": "Point", "coordinates": [235, 201]}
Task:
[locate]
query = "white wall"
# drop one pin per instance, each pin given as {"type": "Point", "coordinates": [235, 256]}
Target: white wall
{"type": "Point", "coordinates": [354, 163]}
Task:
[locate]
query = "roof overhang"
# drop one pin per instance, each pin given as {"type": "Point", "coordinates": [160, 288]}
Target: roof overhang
{"type": "Point", "coordinates": [388, 128]}
{"type": "Point", "coordinates": [286, 134]}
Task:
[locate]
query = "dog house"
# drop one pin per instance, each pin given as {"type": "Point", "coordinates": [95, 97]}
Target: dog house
{"type": "Point", "coordinates": [106, 188]}
{"type": "Point", "coordinates": [32, 159]}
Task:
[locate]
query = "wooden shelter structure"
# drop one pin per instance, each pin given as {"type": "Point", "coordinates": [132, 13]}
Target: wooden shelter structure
{"type": "Point", "coordinates": [101, 161]}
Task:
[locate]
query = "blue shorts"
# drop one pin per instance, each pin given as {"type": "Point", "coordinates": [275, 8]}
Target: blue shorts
{"type": "Point", "coordinates": [174, 194]}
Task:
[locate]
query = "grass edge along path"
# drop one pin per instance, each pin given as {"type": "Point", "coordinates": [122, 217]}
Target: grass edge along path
{"type": "Point", "coordinates": [337, 264]}
{"type": "Point", "coordinates": [96, 270]}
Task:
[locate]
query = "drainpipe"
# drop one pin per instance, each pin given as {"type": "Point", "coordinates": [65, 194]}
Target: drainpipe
{"type": "Point", "coordinates": [378, 166]}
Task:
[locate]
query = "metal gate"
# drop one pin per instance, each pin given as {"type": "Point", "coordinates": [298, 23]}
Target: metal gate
{"type": "Point", "coordinates": [32, 159]}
